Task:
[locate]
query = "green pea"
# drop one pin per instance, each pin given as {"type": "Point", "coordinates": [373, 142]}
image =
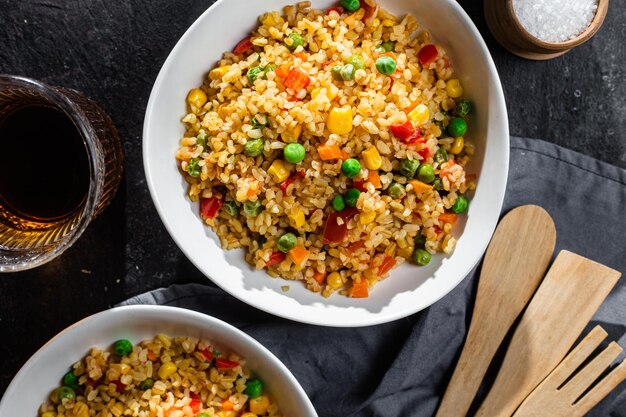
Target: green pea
{"type": "Point", "coordinates": [202, 139]}
{"type": "Point", "coordinates": [254, 147]}
{"type": "Point", "coordinates": [286, 242]}
{"type": "Point", "coordinates": [460, 205]}
{"type": "Point", "coordinates": [357, 61]}
{"type": "Point", "coordinates": [204, 415]}
{"type": "Point", "coordinates": [254, 73]}
{"type": "Point", "coordinates": [146, 384]}
{"type": "Point", "coordinates": [269, 68]}
{"type": "Point", "coordinates": [65, 393]}
{"type": "Point", "coordinates": [426, 173]}
{"type": "Point", "coordinates": [339, 203]}
{"type": "Point", "coordinates": [421, 256]}
{"type": "Point", "coordinates": [457, 127]}
{"type": "Point", "coordinates": [463, 108]}
{"type": "Point", "coordinates": [351, 5]}
{"type": "Point", "coordinates": [70, 380]}
{"type": "Point", "coordinates": [252, 208]}
{"type": "Point", "coordinates": [294, 153]}
{"type": "Point", "coordinates": [441, 156]}
{"type": "Point", "coordinates": [347, 72]}
{"type": "Point", "coordinates": [336, 72]}
{"type": "Point", "coordinates": [437, 184]}
{"type": "Point", "coordinates": [193, 168]}
{"type": "Point", "coordinates": [231, 208]}
{"type": "Point", "coordinates": [352, 196]}
{"type": "Point", "coordinates": [350, 167]}
{"type": "Point", "coordinates": [388, 46]}
{"type": "Point", "coordinates": [123, 347]}
{"type": "Point", "coordinates": [297, 39]}
{"type": "Point", "coordinates": [260, 121]}
{"type": "Point", "coordinates": [420, 241]}
{"type": "Point", "coordinates": [386, 65]}
{"type": "Point", "coordinates": [396, 190]}
{"type": "Point", "coordinates": [408, 167]}
{"type": "Point", "coordinates": [254, 388]}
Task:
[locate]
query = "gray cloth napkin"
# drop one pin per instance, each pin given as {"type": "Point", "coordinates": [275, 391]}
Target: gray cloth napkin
{"type": "Point", "coordinates": [402, 368]}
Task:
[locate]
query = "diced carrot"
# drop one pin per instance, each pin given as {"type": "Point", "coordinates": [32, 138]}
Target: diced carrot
{"type": "Point", "coordinates": [413, 105]}
{"type": "Point", "coordinates": [448, 217]}
{"type": "Point", "coordinates": [386, 266]}
{"type": "Point", "coordinates": [344, 155]}
{"type": "Point", "coordinates": [303, 56]}
{"type": "Point", "coordinates": [328, 152]}
{"type": "Point", "coordinates": [419, 187]}
{"type": "Point", "coordinates": [356, 245]}
{"type": "Point", "coordinates": [227, 405]}
{"type": "Point", "coordinates": [297, 80]}
{"type": "Point", "coordinates": [298, 255]}
{"type": "Point", "coordinates": [283, 70]}
{"type": "Point", "coordinates": [318, 276]}
{"type": "Point", "coordinates": [151, 355]}
{"type": "Point", "coordinates": [374, 179]}
{"type": "Point", "coordinates": [359, 289]}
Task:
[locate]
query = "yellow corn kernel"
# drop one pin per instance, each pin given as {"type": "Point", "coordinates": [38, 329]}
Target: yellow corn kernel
{"type": "Point", "coordinates": [117, 409]}
{"type": "Point", "coordinates": [367, 218]}
{"type": "Point", "coordinates": [420, 114]}
{"type": "Point", "coordinates": [372, 159]}
{"type": "Point", "coordinates": [292, 135]}
{"type": "Point", "coordinates": [388, 23]}
{"type": "Point", "coordinates": [278, 170]}
{"type": "Point", "coordinates": [49, 414]}
{"type": "Point", "coordinates": [453, 88]}
{"type": "Point", "coordinates": [457, 146]}
{"type": "Point", "coordinates": [405, 252]}
{"type": "Point", "coordinates": [447, 104]}
{"type": "Point", "coordinates": [196, 97]}
{"type": "Point", "coordinates": [81, 409]}
{"type": "Point", "coordinates": [248, 415]}
{"type": "Point", "coordinates": [121, 368]}
{"type": "Point", "coordinates": [340, 120]}
{"type": "Point", "coordinates": [334, 280]}
{"type": "Point", "coordinates": [331, 92]}
{"type": "Point", "coordinates": [296, 218]}
{"type": "Point", "coordinates": [259, 404]}
{"type": "Point", "coordinates": [224, 413]}
{"type": "Point", "coordinates": [218, 73]}
{"type": "Point", "coordinates": [167, 369]}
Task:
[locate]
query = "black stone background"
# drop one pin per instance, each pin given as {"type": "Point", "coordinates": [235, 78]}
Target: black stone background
{"type": "Point", "coordinates": [113, 50]}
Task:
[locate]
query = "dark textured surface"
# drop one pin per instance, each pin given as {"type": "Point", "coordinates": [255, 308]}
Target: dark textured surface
{"type": "Point", "coordinates": [112, 51]}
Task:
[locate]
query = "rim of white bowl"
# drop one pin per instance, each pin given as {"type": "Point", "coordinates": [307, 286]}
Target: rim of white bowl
{"type": "Point", "coordinates": [304, 316]}
{"type": "Point", "coordinates": [127, 311]}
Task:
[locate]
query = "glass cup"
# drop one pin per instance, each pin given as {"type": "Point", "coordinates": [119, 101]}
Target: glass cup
{"type": "Point", "coordinates": [25, 244]}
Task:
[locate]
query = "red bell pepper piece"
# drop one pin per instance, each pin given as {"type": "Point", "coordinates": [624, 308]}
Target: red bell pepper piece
{"type": "Point", "coordinates": [222, 363]}
{"type": "Point", "coordinates": [386, 266]}
{"type": "Point", "coordinates": [338, 9]}
{"type": "Point", "coordinates": [245, 45]}
{"type": "Point", "coordinates": [298, 174]}
{"type": "Point", "coordinates": [297, 80]}
{"type": "Point", "coordinates": [119, 387]}
{"type": "Point", "coordinates": [336, 233]}
{"type": "Point", "coordinates": [209, 207]}
{"type": "Point", "coordinates": [207, 354]}
{"type": "Point", "coordinates": [427, 54]}
{"type": "Point", "coordinates": [369, 10]}
{"type": "Point", "coordinates": [415, 138]}
{"type": "Point", "coordinates": [359, 185]}
{"type": "Point", "coordinates": [424, 152]}
{"type": "Point", "coordinates": [195, 405]}
{"type": "Point", "coordinates": [275, 258]}
{"type": "Point", "coordinates": [403, 131]}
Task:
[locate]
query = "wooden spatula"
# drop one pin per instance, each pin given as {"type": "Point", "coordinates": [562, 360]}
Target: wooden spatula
{"type": "Point", "coordinates": [515, 262]}
{"type": "Point", "coordinates": [568, 297]}
{"type": "Point", "coordinates": [555, 398]}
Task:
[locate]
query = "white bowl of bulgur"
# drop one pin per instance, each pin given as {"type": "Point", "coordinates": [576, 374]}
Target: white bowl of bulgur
{"type": "Point", "coordinates": [341, 164]}
{"type": "Point", "coordinates": [154, 360]}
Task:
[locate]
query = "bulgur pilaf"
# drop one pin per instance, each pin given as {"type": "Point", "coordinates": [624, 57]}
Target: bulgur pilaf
{"type": "Point", "coordinates": [163, 377]}
{"type": "Point", "coordinates": [330, 145]}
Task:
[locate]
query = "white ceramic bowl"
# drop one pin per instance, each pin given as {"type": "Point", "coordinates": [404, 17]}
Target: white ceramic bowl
{"type": "Point", "coordinates": [43, 371]}
{"type": "Point", "coordinates": [408, 289]}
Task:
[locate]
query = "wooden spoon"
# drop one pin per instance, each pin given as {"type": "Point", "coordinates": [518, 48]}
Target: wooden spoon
{"type": "Point", "coordinates": [515, 262]}
{"type": "Point", "coordinates": [568, 297]}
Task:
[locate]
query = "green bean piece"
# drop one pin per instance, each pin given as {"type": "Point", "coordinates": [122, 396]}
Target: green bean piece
{"type": "Point", "coordinates": [193, 169]}
{"type": "Point", "coordinates": [202, 140]}
{"type": "Point", "coordinates": [254, 73]}
{"type": "Point", "coordinates": [254, 147]}
{"type": "Point", "coordinates": [252, 208]}
{"type": "Point", "coordinates": [463, 108]}
{"type": "Point", "coordinates": [441, 156]}
{"type": "Point", "coordinates": [437, 184]}
{"type": "Point", "coordinates": [231, 208]}
{"type": "Point", "coordinates": [408, 167]}
{"type": "Point", "coordinates": [259, 121]}
{"type": "Point", "coordinates": [396, 190]}
{"type": "Point", "coordinates": [336, 72]}
{"type": "Point", "coordinates": [297, 40]}
{"type": "Point", "coordinates": [347, 72]}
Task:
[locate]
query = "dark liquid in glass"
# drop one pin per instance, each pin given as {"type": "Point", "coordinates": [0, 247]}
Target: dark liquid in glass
{"type": "Point", "coordinates": [44, 168]}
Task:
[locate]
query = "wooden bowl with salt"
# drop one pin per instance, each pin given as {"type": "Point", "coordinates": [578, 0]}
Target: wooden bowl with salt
{"type": "Point", "coordinates": [525, 37]}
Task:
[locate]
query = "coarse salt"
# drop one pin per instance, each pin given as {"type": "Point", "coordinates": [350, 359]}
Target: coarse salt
{"type": "Point", "coordinates": [555, 20]}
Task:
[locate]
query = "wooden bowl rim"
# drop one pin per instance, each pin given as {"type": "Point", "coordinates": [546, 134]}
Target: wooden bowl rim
{"type": "Point", "coordinates": [585, 35]}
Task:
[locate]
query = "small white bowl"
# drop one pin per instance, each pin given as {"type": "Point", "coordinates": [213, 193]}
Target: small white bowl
{"type": "Point", "coordinates": [408, 289]}
{"type": "Point", "coordinates": [45, 369]}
